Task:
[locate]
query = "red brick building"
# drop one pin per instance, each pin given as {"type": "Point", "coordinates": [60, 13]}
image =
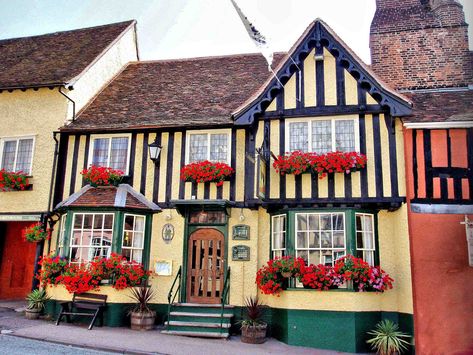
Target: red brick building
{"type": "Point", "coordinates": [421, 48]}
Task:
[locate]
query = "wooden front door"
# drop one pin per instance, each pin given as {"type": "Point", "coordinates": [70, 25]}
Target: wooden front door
{"type": "Point", "coordinates": [205, 267]}
{"type": "Point", "coordinates": [16, 261]}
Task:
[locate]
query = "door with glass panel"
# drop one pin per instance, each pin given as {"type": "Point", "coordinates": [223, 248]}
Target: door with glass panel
{"type": "Point", "coordinates": [205, 267]}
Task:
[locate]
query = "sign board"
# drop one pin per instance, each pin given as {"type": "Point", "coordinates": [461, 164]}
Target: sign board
{"type": "Point", "coordinates": [261, 182]}
{"type": "Point", "coordinates": [241, 232]}
{"type": "Point", "coordinates": [163, 267]}
{"type": "Point", "coordinates": [469, 239]}
{"type": "Point", "coordinates": [240, 253]}
{"type": "Point", "coordinates": [20, 217]}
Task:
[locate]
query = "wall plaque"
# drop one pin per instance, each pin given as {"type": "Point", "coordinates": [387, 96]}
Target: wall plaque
{"type": "Point", "coordinates": [168, 233]}
{"type": "Point", "coordinates": [163, 267]}
{"type": "Point", "coordinates": [240, 253]}
{"type": "Point", "coordinates": [241, 232]}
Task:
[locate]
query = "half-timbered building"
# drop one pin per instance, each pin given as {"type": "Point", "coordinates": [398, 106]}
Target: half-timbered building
{"type": "Point", "coordinates": [207, 241]}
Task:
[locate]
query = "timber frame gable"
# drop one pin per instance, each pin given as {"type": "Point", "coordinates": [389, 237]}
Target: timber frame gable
{"type": "Point", "coordinates": [317, 38]}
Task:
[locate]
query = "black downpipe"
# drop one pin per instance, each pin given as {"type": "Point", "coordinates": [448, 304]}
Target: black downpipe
{"type": "Point", "coordinates": [73, 103]}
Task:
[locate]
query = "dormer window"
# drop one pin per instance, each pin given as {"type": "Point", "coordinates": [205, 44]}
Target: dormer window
{"type": "Point", "coordinates": [214, 146]}
{"type": "Point", "coordinates": [111, 151]}
{"type": "Point", "coordinates": [323, 135]}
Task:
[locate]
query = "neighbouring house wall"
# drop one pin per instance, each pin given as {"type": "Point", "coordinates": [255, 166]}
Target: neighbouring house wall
{"type": "Point", "coordinates": [443, 281]}
{"type": "Point", "coordinates": [35, 113]}
{"type": "Point", "coordinates": [104, 69]}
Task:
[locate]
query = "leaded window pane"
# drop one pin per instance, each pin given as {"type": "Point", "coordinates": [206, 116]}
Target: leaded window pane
{"type": "Point", "coordinates": [322, 136]}
{"type": "Point", "coordinates": [345, 135]}
{"type": "Point", "coordinates": [8, 156]}
{"type": "Point", "coordinates": [198, 147]}
{"type": "Point", "coordinates": [218, 147]}
{"type": "Point", "coordinates": [298, 136]}
{"type": "Point", "coordinates": [119, 153]}
{"type": "Point", "coordinates": [24, 155]}
{"type": "Point", "coordinates": [100, 152]}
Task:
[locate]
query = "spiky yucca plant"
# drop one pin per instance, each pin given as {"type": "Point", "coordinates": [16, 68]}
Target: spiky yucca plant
{"type": "Point", "coordinates": [142, 296]}
{"type": "Point", "coordinates": [387, 339]}
{"type": "Point", "coordinates": [36, 299]}
{"type": "Point", "coordinates": [254, 312]}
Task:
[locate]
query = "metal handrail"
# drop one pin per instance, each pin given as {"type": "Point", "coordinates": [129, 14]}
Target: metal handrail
{"type": "Point", "coordinates": [171, 297]}
{"type": "Point", "coordinates": [225, 296]}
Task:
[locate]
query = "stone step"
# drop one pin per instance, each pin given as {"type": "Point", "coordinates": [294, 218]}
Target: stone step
{"type": "Point", "coordinates": [201, 305]}
{"type": "Point", "coordinates": [197, 324]}
{"type": "Point", "coordinates": [200, 315]}
{"type": "Point", "coordinates": [196, 334]}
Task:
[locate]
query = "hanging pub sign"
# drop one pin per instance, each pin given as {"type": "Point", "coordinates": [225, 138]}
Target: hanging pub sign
{"type": "Point", "coordinates": [261, 182]}
{"type": "Point", "coordinates": [241, 232]}
{"type": "Point", "coordinates": [240, 253]}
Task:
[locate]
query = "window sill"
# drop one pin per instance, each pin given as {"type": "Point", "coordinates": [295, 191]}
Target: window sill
{"type": "Point", "coordinates": [27, 188]}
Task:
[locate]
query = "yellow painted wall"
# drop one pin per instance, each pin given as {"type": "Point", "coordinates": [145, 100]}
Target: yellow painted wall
{"type": "Point", "coordinates": [38, 114]}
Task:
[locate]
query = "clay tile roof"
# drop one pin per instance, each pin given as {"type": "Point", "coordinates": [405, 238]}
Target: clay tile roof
{"type": "Point", "coordinates": [184, 92]}
{"type": "Point", "coordinates": [441, 106]}
{"type": "Point", "coordinates": [54, 59]}
{"type": "Point", "coordinates": [122, 196]}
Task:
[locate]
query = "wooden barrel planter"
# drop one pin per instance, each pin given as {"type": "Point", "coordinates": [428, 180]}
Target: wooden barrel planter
{"type": "Point", "coordinates": [143, 321]}
{"type": "Point", "coordinates": [32, 313]}
{"type": "Point", "coordinates": [254, 334]}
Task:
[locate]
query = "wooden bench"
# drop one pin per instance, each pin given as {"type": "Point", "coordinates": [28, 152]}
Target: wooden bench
{"type": "Point", "coordinates": [84, 301]}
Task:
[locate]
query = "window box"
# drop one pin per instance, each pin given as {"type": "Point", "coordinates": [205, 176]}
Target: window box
{"type": "Point", "coordinates": [11, 181]}
{"type": "Point", "coordinates": [206, 171]}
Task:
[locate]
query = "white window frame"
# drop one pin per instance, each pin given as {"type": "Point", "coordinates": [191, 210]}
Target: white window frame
{"type": "Point", "coordinates": [373, 236]}
{"type": "Point", "coordinates": [17, 139]}
{"type": "Point", "coordinates": [309, 120]}
{"type": "Point", "coordinates": [228, 132]}
{"type": "Point", "coordinates": [132, 249]}
{"type": "Point", "coordinates": [308, 249]}
{"type": "Point", "coordinates": [282, 250]}
{"type": "Point", "coordinates": [71, 234]}
{"type": "Point", "coordinates": [93, 137]}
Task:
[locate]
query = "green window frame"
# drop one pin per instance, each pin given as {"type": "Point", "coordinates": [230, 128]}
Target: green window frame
{"type": "Point", "coordinates": [118, 229]}
{"type": "Point", "coordinates": [351, 232]}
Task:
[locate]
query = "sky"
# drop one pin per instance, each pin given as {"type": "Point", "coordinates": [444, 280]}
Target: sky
{"type": "Point", "coordinates": [196, 28]}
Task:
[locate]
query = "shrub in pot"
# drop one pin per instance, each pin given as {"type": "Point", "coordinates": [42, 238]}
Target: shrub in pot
{"type": "Point", "coordinates": [253, 328]}
{"type": "Point", "coordinates": [387, 339]}
{"type": "Point", "coordinates": [36, 300]}
{"type": "Point", "coordinates": [142, 316]}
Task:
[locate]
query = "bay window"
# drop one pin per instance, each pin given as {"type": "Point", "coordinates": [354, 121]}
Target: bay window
{"type": "Point", "coordinates": [110, 151]}
{"type": "Point", "coordinates": [323, 135]}
{"type": "Point", "coordinates": [214, 147]}
{"type": "Point", "coordinates": [322, 237]}
{"type": "Point", "coordinates": [16, 154]}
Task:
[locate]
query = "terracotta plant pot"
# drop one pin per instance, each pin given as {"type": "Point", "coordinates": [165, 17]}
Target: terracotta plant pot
{"type": "Point", "coordinates": [143, 321]}
{"type": "Point", "coordinates": [32, 313]}
{"type": "Point", "coordinates": [253, 334]}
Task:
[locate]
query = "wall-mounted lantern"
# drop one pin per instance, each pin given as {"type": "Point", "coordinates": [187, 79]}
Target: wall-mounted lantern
{"type": "Point", "coordinates": [154, 151]}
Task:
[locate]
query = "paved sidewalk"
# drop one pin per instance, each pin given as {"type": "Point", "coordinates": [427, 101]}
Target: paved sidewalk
{"type": "Point", "coordinates": [124, 340]}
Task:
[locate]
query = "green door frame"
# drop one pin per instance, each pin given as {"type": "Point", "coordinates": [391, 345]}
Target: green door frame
{"type": "Point", "coordinates": [188, 230]}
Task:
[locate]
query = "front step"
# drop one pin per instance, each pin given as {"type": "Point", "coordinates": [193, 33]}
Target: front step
{"type": "Point", "coordinates": [199, 320]}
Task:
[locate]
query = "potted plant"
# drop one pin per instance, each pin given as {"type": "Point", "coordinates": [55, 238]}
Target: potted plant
{"type": "Point", "coordinates": [387, 339]}
{"type": "Point", "coordinates": [253, 328]}
{"type": "Point", "coordinates": [142, 316]}
{"type": "Point", "coordinates": [36, 300]}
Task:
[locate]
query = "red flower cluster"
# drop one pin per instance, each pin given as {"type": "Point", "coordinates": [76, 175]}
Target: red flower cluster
{"type": "Point", "coordinates": [206, 171]}
{"type": "Point", "coordinates": [86, 277]}
{"type": "Point", "coordinates": [333, 162]}
{"type": "Point", "coordinates": [102, 176]}
{"type": "Point", "coordinates": [364, 276]}
{"type": "Point", "coordinates": [35, 233]}
{"type": "Point", "coordinates": [51, 267]}
{"type": "Point", "coordinates": [13, 180]}
{"type": "Point", "coordinates": [269, 278]}
{"type": "Point", "coordinates": [319, 277]}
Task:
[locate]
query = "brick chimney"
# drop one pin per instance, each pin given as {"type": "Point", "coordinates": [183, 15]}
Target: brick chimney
{"type": "Point", "coordinates": [421, 44]}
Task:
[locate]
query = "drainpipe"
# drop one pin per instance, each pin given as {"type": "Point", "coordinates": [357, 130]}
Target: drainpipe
{"type": "Point", "coordinates": [73, 102]}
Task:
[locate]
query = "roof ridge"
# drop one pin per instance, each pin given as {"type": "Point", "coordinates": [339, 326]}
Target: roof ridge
{"type": "Point", "coordinates": [191, 59]}
{"type": "Point", "coordinates": [50, 34]}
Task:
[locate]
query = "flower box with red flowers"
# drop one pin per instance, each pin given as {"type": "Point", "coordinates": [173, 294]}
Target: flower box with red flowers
{"type": "Point", "coordinates": [102, 176]}
{"type": "Point", "coordinates": [14, 181]}
{"type": "Point", "coordinates": [206, 171]}
{"type": "Point", "coordinates": [298, 162]}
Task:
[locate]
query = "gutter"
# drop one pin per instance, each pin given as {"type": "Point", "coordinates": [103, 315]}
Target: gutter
{"type": "Point", "coordinates": [73, 103]}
